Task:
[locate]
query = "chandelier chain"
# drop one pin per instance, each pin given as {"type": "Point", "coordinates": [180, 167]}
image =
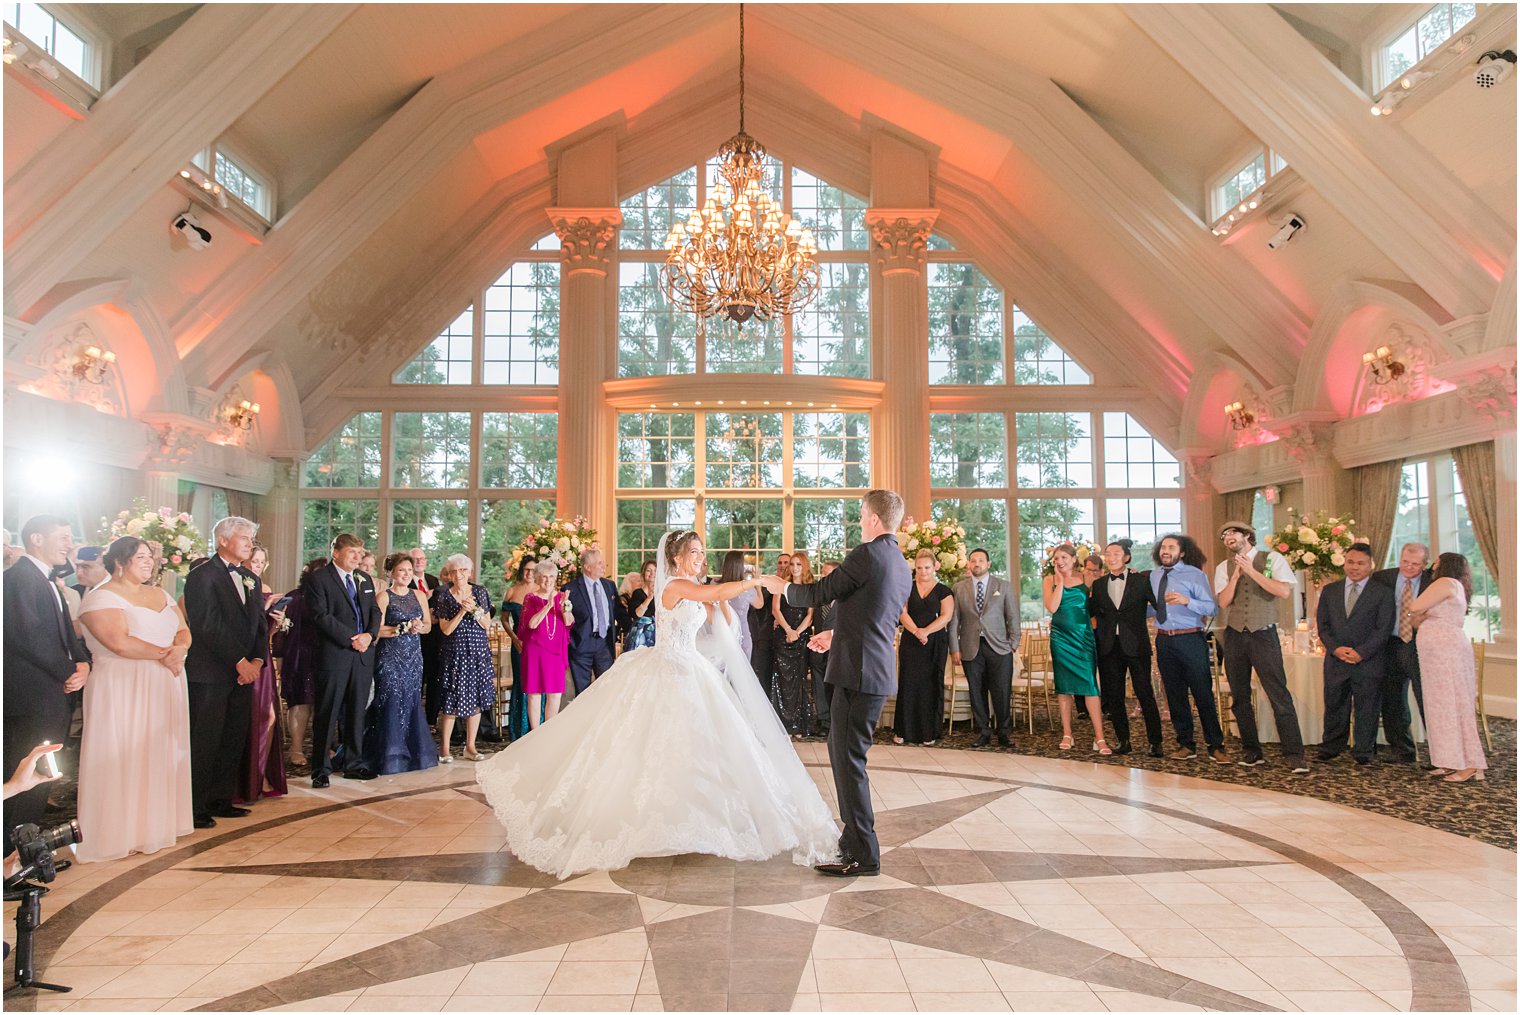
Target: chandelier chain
{"type": "Point", "coordinates": [741, 68]}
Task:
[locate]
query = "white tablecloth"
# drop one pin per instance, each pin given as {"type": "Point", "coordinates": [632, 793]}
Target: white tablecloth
{"type": "Point", "coordinates": [1306, 682]}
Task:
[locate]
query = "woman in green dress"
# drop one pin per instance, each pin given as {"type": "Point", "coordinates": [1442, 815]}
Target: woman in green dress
{"type": "Point", "coordinates": [1073, 648]}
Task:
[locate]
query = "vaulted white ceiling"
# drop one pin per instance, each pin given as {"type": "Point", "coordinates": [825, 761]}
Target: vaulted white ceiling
{"type": "Point", "coordinates": [412, 147]}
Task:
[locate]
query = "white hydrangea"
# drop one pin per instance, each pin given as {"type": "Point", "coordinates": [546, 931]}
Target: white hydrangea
{"type": "Point", "coordinates": [1308, 536]}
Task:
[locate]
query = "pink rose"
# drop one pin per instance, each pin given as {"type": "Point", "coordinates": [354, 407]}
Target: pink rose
{"type": "Point", "coordinates": [1338, 530]}
{"type": "Point", "coordinates": [1282, 547]}
{"type": "Point", "coordinates": [936, 540]}
{"type": "Point", "coordinates": [175, 559]}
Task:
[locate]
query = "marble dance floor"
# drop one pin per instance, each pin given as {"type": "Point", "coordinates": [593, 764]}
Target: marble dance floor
{"type": "Point", "coordinates": [1009, 882]}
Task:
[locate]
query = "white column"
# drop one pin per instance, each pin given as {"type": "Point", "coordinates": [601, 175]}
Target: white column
{"type": "Point", "coordinates": [103, 168]}
{"type": "Point", "coordinates": [586, 444]}
{"type": "Point", "coordinates": [280, 523]}
{"type": "Point", "coordinates": [1286, 93]}
{"type": "Point", "coordinates": [899, 240]}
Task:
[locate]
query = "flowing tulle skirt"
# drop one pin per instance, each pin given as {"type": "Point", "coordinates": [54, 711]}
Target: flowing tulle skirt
{"type": "Point", "coordinates": [134, 761]}
{"type": "Point", "coordinates": [655, 758]}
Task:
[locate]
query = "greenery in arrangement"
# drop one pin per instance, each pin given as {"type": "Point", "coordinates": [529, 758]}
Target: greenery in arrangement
{"type": "Point", "coordinates": [946, 538]}
{"type": "Point", "coordinates": [174, 531]}
{"type": "Point", "coordinates": [1084, 551]}
{"type": "Point", "coordinates": [559, 541]}
{"type": "Point", "coordinates": [1316, 545]}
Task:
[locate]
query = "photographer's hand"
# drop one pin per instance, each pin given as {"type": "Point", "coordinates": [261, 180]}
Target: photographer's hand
{"type": "Point", "coordinates": [26, 776]}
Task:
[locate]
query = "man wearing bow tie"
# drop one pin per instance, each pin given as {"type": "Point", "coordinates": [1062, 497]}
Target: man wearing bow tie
{"type": "Point", "coordinates": [984, 635]}
{"type": "Point", "coordinates": [224, 609]}
{"type": "Point", "coordinates": [341, 605]}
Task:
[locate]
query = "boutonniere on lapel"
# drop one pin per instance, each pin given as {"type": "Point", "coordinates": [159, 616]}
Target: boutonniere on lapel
{"type": "Point", "coordinates": [248, 583]}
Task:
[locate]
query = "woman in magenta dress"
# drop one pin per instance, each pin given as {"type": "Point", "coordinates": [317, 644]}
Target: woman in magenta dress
{"type": "Point", "coordinates": [263, 772]}
{"type": "Point", "coordinates": [1448, 673]}
{"type": "Point", "coordinates": [544, 630]}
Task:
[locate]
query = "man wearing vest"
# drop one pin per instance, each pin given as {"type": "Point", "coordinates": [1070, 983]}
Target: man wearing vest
{"type": "Point", "coordinates": [1251, 584]}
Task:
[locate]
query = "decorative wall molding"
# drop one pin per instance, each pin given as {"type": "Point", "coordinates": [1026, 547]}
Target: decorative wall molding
{"type": "Point", "coordinates": [59, 379]}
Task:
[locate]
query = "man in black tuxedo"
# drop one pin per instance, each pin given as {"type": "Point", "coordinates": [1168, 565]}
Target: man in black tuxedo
{"type": "Point", "coordinates": [341, 607]}
{"type": "Point", "coordinates": [1118, 601]}
{"type": "Point", "coordinates": [1401, 663]}
{"type": "Point", "coordinates": [594, 603]}
{"type": "Point", "coordinates": [431, 642]}
{"type": "Point", "coordinates": [224, 609]}
{"type": "Point", "coordinates": [869, 591]}
{"type": "Point", "coordinates": [1354, 617]}
{"type": "Point", "coordinates": [45, 659]}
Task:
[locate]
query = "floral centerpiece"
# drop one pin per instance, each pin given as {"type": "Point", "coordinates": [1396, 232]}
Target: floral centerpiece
{"type": "Point", "coordinates": [945, 537]}
{"type": "Point", "coordinates": [1084, 551]}
{"type": "Point", "coordinates": [174, 531]}
{"type": "Point", "coordinates": [1316, 545]}
{"type": "Point", "coordinates": [559, 541]}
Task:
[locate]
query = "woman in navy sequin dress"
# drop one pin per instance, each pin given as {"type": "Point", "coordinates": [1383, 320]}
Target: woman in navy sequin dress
{"type": "Point", "coordinates": [465, 669]}
{"type": "Point", "coordinates": [397, 738]}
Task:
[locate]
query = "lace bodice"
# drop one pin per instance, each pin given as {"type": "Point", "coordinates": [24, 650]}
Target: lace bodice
{"type": "Point", "coordinates": [676, 629]}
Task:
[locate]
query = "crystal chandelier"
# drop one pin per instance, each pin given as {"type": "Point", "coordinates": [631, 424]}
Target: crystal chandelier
{"type": "Point", "coordinates": [740, 255]}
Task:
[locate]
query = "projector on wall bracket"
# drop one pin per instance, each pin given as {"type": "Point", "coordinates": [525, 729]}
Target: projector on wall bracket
{"type": "Point", "coordinates": [188, 226]}
{"type": "Point", "coordinates": [1493, 67]}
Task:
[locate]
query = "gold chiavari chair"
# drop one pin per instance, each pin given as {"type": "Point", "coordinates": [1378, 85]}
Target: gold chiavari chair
{"type": "Point", "coordinates": [1035, 671]}
{"type": "Point", "coordinates": [1480, 653]}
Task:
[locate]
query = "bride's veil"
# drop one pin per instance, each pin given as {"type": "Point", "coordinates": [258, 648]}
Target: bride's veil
{"type": "Point", "coordinates": [716, 643]}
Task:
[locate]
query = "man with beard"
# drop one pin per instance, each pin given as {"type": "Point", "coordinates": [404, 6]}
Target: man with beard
{"type": "Point", "coordinates": [1183, 606]}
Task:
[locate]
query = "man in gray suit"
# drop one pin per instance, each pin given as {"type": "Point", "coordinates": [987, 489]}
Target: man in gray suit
{"type": "Point", "coordinates": [869, 590]}
{"type": "Point", "coordinates": [984, 635]}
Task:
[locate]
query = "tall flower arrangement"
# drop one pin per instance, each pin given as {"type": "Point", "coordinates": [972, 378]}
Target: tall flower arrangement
{"type": "Point", "coordinates": [559, 541]}
{"type": "Point", "coordinates": [1316, 544]}
{"type": "Point", "coordinates": [1084, 551]}
{"type": "Point", "coordinates": [174, 531]}
{"type": "Point", "coordinates": [945, 537]}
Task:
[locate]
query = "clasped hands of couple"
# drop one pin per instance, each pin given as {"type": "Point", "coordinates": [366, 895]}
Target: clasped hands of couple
{"type": "Point", "coordinates": [819, 642]}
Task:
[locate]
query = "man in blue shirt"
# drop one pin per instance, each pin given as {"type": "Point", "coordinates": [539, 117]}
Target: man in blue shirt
{"type": "Point", "coordinates": [1184, 602]}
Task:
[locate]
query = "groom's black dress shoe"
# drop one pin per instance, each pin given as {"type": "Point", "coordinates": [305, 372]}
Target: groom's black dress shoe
{"type": "Point", "coordinates": [847, 869]}
{"type": "Point", "coordinates": [319, 782]}
{"type": "Point", "coordinates": [359, 773]}
{"type": "Point", "coordinates": [229, 811]}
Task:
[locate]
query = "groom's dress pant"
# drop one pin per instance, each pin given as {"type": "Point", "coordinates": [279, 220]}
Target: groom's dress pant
{"type": "Point", "coordinates": [852, 727]}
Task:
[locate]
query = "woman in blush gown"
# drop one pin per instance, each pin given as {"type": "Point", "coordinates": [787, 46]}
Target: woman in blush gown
{"type": "Point", "coordinates": [263, 772]}
{"type": "Point", "coordinates": [134, 760]}
{"type": "Point", "coordinates": [1448, 672]}
{"type": "Point", "coordinates": [664, 754]}
{"type": "Point", "coordinates": [396, 738]}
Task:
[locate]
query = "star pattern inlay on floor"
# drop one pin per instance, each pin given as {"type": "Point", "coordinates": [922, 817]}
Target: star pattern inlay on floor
{"type": "Point", "coordinates": [1036, 884]}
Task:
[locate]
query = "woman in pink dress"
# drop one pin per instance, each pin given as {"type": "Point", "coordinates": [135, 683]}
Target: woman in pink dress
{"type": "Point", "coordinates": [1447, 672]}
{"type": "Point", "coordinates": [134, 756]}
{"type": "Point", "coordinates": [545, 634]}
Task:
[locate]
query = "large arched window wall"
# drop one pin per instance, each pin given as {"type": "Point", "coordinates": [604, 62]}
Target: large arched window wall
{"type": "Point", "coordinates": [1017, 430]}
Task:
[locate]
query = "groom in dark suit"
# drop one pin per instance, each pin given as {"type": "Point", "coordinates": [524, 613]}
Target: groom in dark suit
{"type": "Point", "coordinates": [595, 605]}
{"type": "Point", "coordinates": [340, 605]}
{"type": "Point", "coordinates": [1117, 603]}
{"type": "Point", "coordinates": [869, 591]}
{"type": "Point", "coordinates": [224, 609]}
{"type": "Point", "coordinates": [45, 660]}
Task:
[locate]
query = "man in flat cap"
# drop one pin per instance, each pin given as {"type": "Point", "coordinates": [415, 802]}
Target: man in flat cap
{"type": "Point", "coordinates": [88, 570]}
{"type": "Point", "coordinates": [1252, 584]}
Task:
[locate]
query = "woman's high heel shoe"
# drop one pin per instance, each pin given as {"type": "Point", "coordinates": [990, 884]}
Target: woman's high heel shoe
{"type": "Point", "coordinates": [1437, 773]}
{"type": "Point", "coordinates": [1473, 775]}
{"type": "Point", "coordinates": [1101, 746]}
{"type": "Point", "coordinates": [1066, 743]}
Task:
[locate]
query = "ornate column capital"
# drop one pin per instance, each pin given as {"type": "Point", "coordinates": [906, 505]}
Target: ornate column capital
{"type": "Point", "coordinates": [172, 438]}
{"type": "Point", "coordinates": [586, 238]}
{"type": "Point", "coordinates": [900, 237]}
{"type": "Point", "coordinates": [1491, 394]}
{"type": "Point", "coordinates": [1308, 443]}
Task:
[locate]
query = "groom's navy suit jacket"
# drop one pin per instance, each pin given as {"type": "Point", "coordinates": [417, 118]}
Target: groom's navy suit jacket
{"type": "Point", "coordinates": [870, 588]}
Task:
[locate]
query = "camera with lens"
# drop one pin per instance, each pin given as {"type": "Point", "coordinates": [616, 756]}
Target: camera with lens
{"type": "Point", "coordinates": [35, 848]}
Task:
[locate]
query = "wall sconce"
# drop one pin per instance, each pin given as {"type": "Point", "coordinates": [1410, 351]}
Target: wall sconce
{"type": "Point", "coordinates": [1382, 364]}
{"type": "Point", "coordinates": [243, 414]}
{"type": "Point", "coordinates": [91, 364]}
{"type": "Point", "coordinates": [1241, 418]}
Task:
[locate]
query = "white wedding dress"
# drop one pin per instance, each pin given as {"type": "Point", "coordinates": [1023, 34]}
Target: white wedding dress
{"type": "Point", "coordinates": [664, 754]}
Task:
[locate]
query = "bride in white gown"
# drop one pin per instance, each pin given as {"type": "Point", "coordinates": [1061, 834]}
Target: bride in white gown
{"type": "Point", "coordinates": [673, 750]}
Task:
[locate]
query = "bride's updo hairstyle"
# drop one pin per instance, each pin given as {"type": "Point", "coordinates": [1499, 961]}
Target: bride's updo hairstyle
{"type": "Point", "coordinates": [676, 545]}
{"type": "Point", "coordinates": [119, 553]}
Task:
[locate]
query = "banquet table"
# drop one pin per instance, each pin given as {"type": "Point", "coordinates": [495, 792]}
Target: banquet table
{"type": "Point", "coordinates": [1306, 682]}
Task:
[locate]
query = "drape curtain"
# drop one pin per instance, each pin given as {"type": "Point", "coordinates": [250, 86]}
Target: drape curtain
{"type": "Point", "coordinates": [1375, 502]}
{"type": "Point", "coordinates": [1238, 505]}
{"type": "Point", "coordinates": [1476, 469]}
{"type": "Point", "coordinates": [242, 505]}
